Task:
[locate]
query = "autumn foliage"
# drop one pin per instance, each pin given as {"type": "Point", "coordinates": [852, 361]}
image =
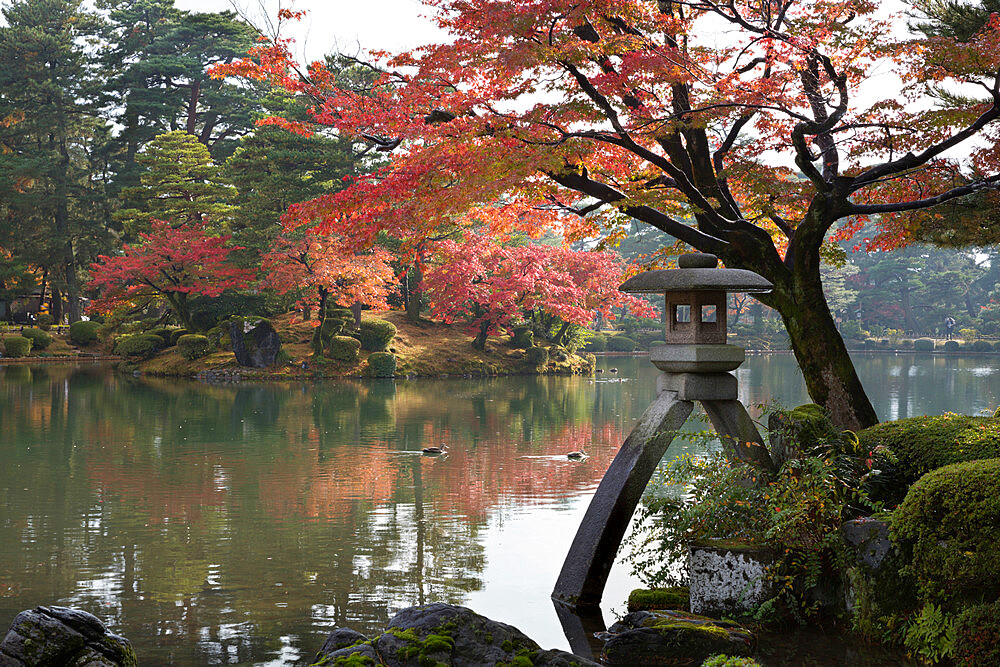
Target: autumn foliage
{"type": "Point", "coordinates": [171, 263]}
{"type": "Point", "coordinates": [492, 285]}
{"type": "Point", "coordinates": [737, 128]}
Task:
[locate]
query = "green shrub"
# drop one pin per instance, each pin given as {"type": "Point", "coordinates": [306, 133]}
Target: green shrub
{"type": "Point", "coordinates": [175, 335]}
{"type": "Point", "coordinates": [39, 339]}
{"type": "Point", "coordinates": [193, 346]}
{"type": "Point", "coordinates": [375, 335]}
{"type": "Point", "coordinates": [968, 335]}
{"type": "Point", "coordinates": [337, 322]}
{"type": "Point", "coordinates": [921, 444]}
{"type": "Point", "coordinates": [139, 345]}
{"type": "Point", "coordinates": [343, 348]}
{"type": "Point", "coordinates": [621, 344]}
{"type": "Point", "coordinates": [381, 364]}
{"type": "Point", "coordinates": [16, 346]}
{"type": "Point", "coordinates": [982, 346]}
{"type": "Point", "coordinates": [949, 522]}
{"type": "Point", "coordinates": [598, 343]}
{"type": "Point", "coordinates": [45, 321]}
{"type": "Point", "coordinates": [167, 334]}
{"type": "Point", "coordinates": [869, 343]}
{"type": "Point", "coordinates": [977, 636]}
{"type": "Point", "coordinates": [923, 345]}
{"type": "Point", "coordinates": [950, 346]}
{"type": "Point", "coordinates": [537, 356]}
{"type": "Point", "coordinates": [930, 634]}
{"type": "Point", "coordinates": [522, 338]}
{"type": "Point", "coordinates": [722, 660]}
{"type": "Point", "coordinates": [852, 329]}
{"type": "Point", "coordinates": [996, 346]}
{"type": "Point", "coordinates": [84, 333]}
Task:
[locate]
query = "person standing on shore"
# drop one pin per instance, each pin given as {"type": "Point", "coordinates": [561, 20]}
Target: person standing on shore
{"type": "Point", "coordinates": [949, 326]}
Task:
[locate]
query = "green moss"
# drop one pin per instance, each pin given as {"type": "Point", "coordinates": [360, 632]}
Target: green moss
{"type": "Point", "coordinates": [643, 599]}
{"type": "Point", "coordinates": [949, 521]}
{"type": "Point", "coordinates": [921, 444]}
{"type": "Point", "coordinates": [353, 660]}
{"type": "Point", "coordinates": [421, 649]}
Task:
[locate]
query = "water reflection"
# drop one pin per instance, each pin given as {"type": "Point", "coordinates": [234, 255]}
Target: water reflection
{"type": "Point", "coordinates": [239, 523]}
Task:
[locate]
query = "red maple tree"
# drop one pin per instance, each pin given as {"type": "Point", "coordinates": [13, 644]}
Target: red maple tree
{"type": "Point", "coordinates": [494, 285]}
{"type": "Point", "coordinates": [754, 146]}
{"type": "Point", "coordinates": [169, 263]}
{"type": "Point", "coordinates": [327, 269]}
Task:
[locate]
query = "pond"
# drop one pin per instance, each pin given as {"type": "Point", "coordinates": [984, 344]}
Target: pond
{"type": "Point", "coordinates": [240, 523]}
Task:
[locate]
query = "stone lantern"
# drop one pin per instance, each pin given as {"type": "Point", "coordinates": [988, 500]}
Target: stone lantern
{"type": "Point", "coordinates": [694, 364]}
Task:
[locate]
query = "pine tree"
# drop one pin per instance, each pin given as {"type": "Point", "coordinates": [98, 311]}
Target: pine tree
{"type": "Point", "coordinates": [181, 184]}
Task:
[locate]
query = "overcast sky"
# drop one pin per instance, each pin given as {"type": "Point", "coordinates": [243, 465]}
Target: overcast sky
{"type": "Point", "coordinates": [342, 25]}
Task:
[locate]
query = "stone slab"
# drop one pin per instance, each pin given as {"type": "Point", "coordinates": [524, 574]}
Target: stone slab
{"type": "Point", "coordinates": [727, 580]}
{"type": "Point", "coordinates": [699, 386]}
{"type": "Point", "coordinates": [697, 358]}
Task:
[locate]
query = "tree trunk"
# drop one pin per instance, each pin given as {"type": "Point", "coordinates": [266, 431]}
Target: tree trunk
{"type": "Point", "coordinates": [831, 379]}
{"type": "Point", "coordinates": [178, 301]}
{"type": "Point", "coordinates": [480, 341]}
{"type": "Point", "coordinates": [561, 335]}
{"type": "Point", "coordinates": [56, 308]}
{"type": "Point", "coordinates": [414, 295]}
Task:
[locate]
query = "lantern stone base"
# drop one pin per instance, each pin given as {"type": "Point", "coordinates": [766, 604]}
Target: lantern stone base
{"type": "Point", "coordinates": [699, 386]}
{"type": "Point", "coordinates": [697, 358]}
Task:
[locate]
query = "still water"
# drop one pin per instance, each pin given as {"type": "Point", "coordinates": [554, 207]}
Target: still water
{"type": "Point", "coordinates": [231, 524]}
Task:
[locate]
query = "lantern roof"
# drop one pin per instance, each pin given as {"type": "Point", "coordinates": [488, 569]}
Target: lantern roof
{"type": "Point", "coordinates": [697, 272]}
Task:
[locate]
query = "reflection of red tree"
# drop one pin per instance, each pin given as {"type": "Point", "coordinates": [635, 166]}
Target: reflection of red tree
{"type": "Point", "coordinates": [193, 482]}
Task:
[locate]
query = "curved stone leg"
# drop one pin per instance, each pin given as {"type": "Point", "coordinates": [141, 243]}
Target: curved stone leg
{"type": "Point", "coordinates": [585, 570]}
{"type": "Point", "coordinates": [738, 433]}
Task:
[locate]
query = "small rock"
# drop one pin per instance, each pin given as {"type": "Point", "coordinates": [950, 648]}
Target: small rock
{"type": "Point", "coordinates": [256, 344]}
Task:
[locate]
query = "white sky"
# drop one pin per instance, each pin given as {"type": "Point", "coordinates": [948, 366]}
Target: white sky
{"type": "Point", "coordinates": [341, 25]}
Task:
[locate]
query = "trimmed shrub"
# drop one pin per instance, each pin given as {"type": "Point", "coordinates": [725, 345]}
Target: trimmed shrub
{"type": "Point", "coordinates": [166, 333]}
{"type": "Point", "coordinates": [923, 345]}
{"type": "Point", "coordinates": [621, 344]}
{"type": "Point", "coordinates": [977, 636]}
{"type": "Point", "coordinates": [45, 321]}
{"type": "Point", "coordinates": [139, 345]}
{"type": "Point", "coordinates": [193, 346]}
{"type": "Point", "coordinates": [950, 346]}
{"type": "Point", "coordinates": [337, 322]}
{"type": "Point", "coordinates": [949, 521]}
{"type": "Point", "coordinates": [16, 346]}
{"type": "Point", "coordinates": [906, 344]}
{"type": "Point", "coordinates": [522, 339]}
{"type": "Point", "coordinates": [538, 356]}
{"type": "Point", "coordinates": [343, 348]}
{"type": "Point", "coordinates": [598, 343]}
{"type": "Point", "coordinates": [39, 339]}
{"type": "Point", "coordinates": [982, 346]}
{"type": "Point", "coordinates": [921, 444]}
{"type": "Point", "coordinates": [996, 346]}
{"type": "Point", "coordinates": [84, 333]}
{"type": "Point", "coordinates": [175, 335]}
{"type": "Point", "coordinates": [375, 335]}
{"type": "Point", "coordinates": [381, 364]}
{"type": "Point", "coordinates": [869, 344]}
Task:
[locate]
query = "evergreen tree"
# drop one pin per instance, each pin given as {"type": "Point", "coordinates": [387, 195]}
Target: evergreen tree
{"type": "Point", "coordinates": [52, 174]}
{"type": "Point", "coordinates": [181, 184]}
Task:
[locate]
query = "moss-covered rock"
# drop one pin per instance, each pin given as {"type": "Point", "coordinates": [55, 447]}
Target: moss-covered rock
{"type": "Point", "coordinates": [949, 522]}
{"type": "Point", "coordinates": [63, 636]}
{"type": "Point", "coordinates": [673, 637]}
{"type": "Point", "coordinates": [537, 356]}
{"type": "Point", "coordinates": [648, 599]}
{"type": "Point", "coordinates": [443, 634]}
